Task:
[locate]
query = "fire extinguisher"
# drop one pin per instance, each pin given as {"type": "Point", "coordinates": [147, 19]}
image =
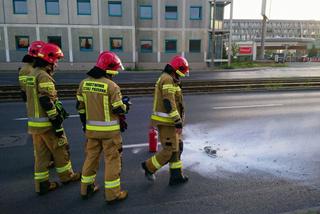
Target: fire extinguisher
{"type": "Point", "coordinates": [153, 139]}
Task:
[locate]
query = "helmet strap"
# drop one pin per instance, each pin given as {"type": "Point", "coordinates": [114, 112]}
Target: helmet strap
{"type": "Point", "coordinates": [112, 72]}
{"type": "Point", "coordinates": [180, 73]}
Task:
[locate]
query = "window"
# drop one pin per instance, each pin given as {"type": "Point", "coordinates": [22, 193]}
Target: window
{"type": "Point", "coordinates": [84, 7]}
{"type": "Point", "coordinates": [116, 44]}
{"type": "Point", "coordinates": [52, 7]}
{"type": "Point", "coordinates": [195, 46]}
{"type": "Point", "coordinates": [171, 46]}
{"type": "Point", "coordinates": [115, 8]}
{"type": "Point", "coordinates": [22, 43]}
{"type": "Point", "coordinates": [145, 12]}
{"type": "Point", "coordinates": [171, 12]}
{"type": "Point", "coordinates": [195, 13]}
{"type": "Point", "coordinates": [86, 43]}
{"type": "Point", "coordinates": [20, 7]}
{"type": "Point", "coordinates": [146, 46]}
{"type": "Point", "coordinates": [55, 40]}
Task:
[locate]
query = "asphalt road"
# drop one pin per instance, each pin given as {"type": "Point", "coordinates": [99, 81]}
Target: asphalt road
{"type": "Point", "coordinates": [294, 70]}
{"type": "Point", "coordinates": [267, 159]}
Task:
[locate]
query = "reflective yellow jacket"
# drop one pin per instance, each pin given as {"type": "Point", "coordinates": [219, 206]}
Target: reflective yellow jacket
{"type": "Point", "coordinates": [97, 98]}
{"type": "Point", "coordinates": [23, 73]}
{"type": "Point", "coordinates": [39, 83]}
{"type": "Point", "coordinates": [167, 88]}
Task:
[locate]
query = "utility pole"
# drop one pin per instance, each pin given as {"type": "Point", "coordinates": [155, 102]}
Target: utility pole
{"type": "Point", "coordinates": [230, 34]}
{"type": "Point", "coordinates": [264, 28]}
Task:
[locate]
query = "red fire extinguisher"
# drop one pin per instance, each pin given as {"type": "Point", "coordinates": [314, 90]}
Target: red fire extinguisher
{"type": "Point", "coordinates": [153, 139]}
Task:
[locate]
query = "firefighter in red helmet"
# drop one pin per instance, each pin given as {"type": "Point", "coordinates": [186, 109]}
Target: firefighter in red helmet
{"type": "Point", "coordinates": [102, 108]}
{"type": "Point", "coordinates": [45, 117]}
{"type": "Point", "coordinates": [168, 117]}
{"type": "Point", "coordinates": [28, 59]}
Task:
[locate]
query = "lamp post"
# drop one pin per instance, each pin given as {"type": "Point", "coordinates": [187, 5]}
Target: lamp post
{"type": "Point", "coordinates": [230, 34]}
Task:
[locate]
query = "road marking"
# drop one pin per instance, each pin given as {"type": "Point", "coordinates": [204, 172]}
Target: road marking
{"type": "Point", "coordinates": [25, 118]}
{"type": "Point", "coordinates": [248, 106]}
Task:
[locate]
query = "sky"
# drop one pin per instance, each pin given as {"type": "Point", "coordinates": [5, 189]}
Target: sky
{"type": "Point", "coordinates": [276, 9]}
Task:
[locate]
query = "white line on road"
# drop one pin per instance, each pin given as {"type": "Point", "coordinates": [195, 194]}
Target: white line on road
{"type": "Point", "coordinates": [248, 106]}
{"type": "Point", "coordinates": [25, 118]}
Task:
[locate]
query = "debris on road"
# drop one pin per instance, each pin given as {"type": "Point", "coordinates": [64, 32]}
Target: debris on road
{"type": "Point", "coordinates": [210, 151]}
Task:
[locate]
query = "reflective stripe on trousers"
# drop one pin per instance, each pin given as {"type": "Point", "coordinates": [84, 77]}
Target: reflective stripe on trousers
{"type": "Point", "coordinates": [88, 179]}
{"type": "Point", "coordinates": [65, 168]}
{"type": "Point", "coordinates": [112, 184]}
{"type": "Point", "coordinates": [41, 175]}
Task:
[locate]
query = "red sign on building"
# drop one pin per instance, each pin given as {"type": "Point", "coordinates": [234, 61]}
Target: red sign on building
{"type": "Point", "coordinates": [245, 50]}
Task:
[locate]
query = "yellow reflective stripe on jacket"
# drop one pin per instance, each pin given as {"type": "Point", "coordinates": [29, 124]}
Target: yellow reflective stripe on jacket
{"type": "Point", "coordinates": [23, 79]}
{"type": "Point", "coordinates": [103, 128]}
{"type": "Point", "coordinates": [174, 113]}
{"type": "Point", "coordinates": [112, 184]}
{"type": "Point", "coordinates": [65, 168]}
{"type": "Point", "coordinates": [167, 86]}
{"type": "Point", "coordinates": [162, 119]}
{"type": "Point", "coordinates": [176, 165]}
{"type": "Point", "coordinates": [41, 175]}
{"type": "Point", "coordinates": [30, 81]}
{"type": "Point", "coordinates": [46, 85]}
{"type": "Point", "coordinates": [155, 162]}
{"type": "Point", "coordinates": [52, 112]}
{"type": "Point", "coordinates": [88, 179]}
{"type": "Point", "coordinates": [116, 104]}
{"type": "Point", "coordinates": [85, 103]}
{"type": "Point", "coordinates": [106, 108]}
{"type": "Point", "coordinates": [80, 98]}
{"type": "Point", "coordinates": [82, 111]}
{"type": "Point", "coordinates": [95, 87]}
{"type": "Point", "coordinates": [36, 103]}
{"type": "Point", "coordinates": [39, 124]}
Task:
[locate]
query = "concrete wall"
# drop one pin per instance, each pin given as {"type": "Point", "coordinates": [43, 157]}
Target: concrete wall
{"type": "Point", "coordinates": [63, 33]}
{"type": "Point", "coordinates": [20, 18]}
{"type": "Point", "coordinates": [62, 18]}
{"type": "Point", "coordinates": [171, 23]}
{"type": "Point", "coordinates": [85, 56]}
{"type": "Point", "coordinates": [124, 20]}
{"type": "Point", "coordinates": [16, 55]}
{"type": "Point", "coordinates": [76, 19]}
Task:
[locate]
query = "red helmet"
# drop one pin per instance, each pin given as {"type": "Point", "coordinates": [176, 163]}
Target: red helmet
{"type": "Point", "coordinates": [181, 65]}
{"type": "Point", "coordinates": [50, 53]}
{"type": "Point", "coordinates": [34, 48]}
{"type": "Point", "coordinates": [109, 62]}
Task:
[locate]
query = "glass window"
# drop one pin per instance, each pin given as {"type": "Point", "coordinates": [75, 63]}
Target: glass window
{"type": "Point", "coordinates": [52, 7]}
{"type": "Point", "coordinates": [84, 7]}
{"type": "Point", "coordinates": [116, 44]}
{"type": "Point", "coordinates": [22, 43]}
{"type": "Point", "coordinates": [195, 46]}
{"type": "Point", "coordinates": [86, 43]}
{"type": "Point", "coordinates": [171, 46]}
{"type": "Point", "coordinates": [195, 13]}
{"type": "Point", "coordinates": [146, 46]}
{"type": "Point", "coordinates": [145, 12]}
{"type": "Point", "coordinates": [55, 40]}
{"type": "Point", "coordinates": [20, 7]}
{"type": "Point", "coordinates": [171, 12]}
{"type": "Point", "coordinates": [115, 8]}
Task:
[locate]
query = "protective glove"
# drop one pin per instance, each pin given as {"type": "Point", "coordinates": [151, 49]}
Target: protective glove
{"type": "Point", "coordinates": [123, 123]}
{"type": "Point", "coordinates": [61, 111]}
{"type": "Point", "coordinates": [57, 125]}
{"type": "Point", "coordinates": [127, 102]}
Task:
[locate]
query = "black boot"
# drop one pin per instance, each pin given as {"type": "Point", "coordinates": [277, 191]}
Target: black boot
{"type": "Point", "coordinates": [91, 190]}
{"type": "Point", "coordinates": [149, 175]}
{"type": "Point", "coordinates": [176, 177]}
{"type": "Point", "coordinates": [47, 186]}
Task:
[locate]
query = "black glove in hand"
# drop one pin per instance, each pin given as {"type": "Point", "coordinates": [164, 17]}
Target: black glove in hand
{"type": "Point", "coordinates": [57, 125]}
{"type": "Point", "coordinates": [83, 121]}
{"type": "Point", "coordinates": [61, 111]}
{"type": "Point", "coordinates": [123, 124]}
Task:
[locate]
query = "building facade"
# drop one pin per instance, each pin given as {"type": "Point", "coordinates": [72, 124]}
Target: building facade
{"type": "Point", "coordinates": [139, 31]}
